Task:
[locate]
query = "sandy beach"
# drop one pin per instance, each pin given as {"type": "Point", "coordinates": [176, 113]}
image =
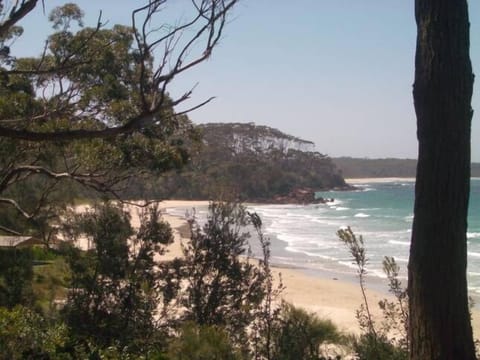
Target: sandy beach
{"type": "Point", "coordinates": [327, 297]}
{"type": "Point", "coordinates": [332, 299]}
{"type": "Point", "coordinates": [353, 181]}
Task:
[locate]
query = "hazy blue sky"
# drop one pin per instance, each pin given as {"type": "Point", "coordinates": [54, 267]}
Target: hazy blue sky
{"type": "Point", "coordinates": [337, 72]}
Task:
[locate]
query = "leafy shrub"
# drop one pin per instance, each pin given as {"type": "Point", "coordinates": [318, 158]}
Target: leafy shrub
{"type": "Point", "coordinates": [113, 296]}
{"type": "Point", "coordinates": [16, 274]}
{"type": "Point", "coordinates": [368, 347]}
{"type": "Point", "coordinates": [24, 334]}
{"type": "Point", "coordinates": [300, 334]}
{"type": "Point", "coordinates": [223, 287]}
{"type": "Point", "coordinates": [390, 340]}
{"type": "Point", "coordinates": [202, 343]}
{"type": "Point", "coordinates": [43, 254]}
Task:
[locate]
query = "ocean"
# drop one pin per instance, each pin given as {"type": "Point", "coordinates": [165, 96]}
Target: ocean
{"type": "Point", "coordinates": [305, 236]}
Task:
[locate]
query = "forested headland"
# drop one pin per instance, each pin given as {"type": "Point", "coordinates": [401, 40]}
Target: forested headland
{"type": "Point", "coordinates": [246, 162]}
{"type": "Point", "coordinates": [93, 119]}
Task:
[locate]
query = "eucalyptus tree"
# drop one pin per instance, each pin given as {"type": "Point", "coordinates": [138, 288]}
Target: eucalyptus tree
{"type": "Point", "coordinates": [439, 319]}
{"type": "Point", "coordinates": [94, 108]}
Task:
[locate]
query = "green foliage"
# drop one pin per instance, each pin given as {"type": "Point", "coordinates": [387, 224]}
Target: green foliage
{"type": "Point", "coordinates": [356, 248]}
{"type": "Point", "coordinates": [390, 340]}
{"type": "Point", "coordinates": [267, 314]}
{"type": "Point", "coordinates": [26, 335]}
{"type": "Point", "coordinates": [197, 342]}
{"type": "Point", "coordinates": [50, 286]}
{"type": "Point", "coordinates": [114, 294]}
{"type": "Point", "coordinates": [88, 79]}
{"type": "Point", "coordinates": [62, 16]}
{"type": "Point", "coordinates": [300, 334]}
{"type": "Point", "coordinates": [16, 274]}
{"type": "Point", "coordinates": [245, 162]}
{"type": "Point", "coordinates": [41, 253]}
{"type": "Point", "coordinates": [370, 347]}
{"type": "Point", "coordinates": [395, 313]}
{"type": "Point", "coordinates": [223, 286]}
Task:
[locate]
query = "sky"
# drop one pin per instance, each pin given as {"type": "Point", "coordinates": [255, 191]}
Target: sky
{"type": "Point", "coordinates": [335, 72]}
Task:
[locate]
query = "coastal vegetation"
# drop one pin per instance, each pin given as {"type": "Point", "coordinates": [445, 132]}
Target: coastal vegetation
{"type": "Point", "coordinates": [389, 340]}
{"type": "Point", "coordinates": [245, 162]}
{"type": "Point", "coordinates": [124, 301]}
{"type": "Point", "coordinates": [93, 110]}
{"type": "Point", "coordinates": [92, 117]}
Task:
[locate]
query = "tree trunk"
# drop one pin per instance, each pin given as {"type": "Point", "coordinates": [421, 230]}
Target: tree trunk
{"type": "Point", "coordinates": [440, 325]}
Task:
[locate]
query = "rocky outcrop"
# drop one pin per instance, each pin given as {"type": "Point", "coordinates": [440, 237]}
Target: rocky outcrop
{"type": "Point", "coordinates": [300, 196]}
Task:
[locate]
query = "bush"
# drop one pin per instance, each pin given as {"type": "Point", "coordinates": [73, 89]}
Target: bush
{"type": "Point", "coordinates": [43, 254]}
{"type": "Point", "coordinates": [224, 288]}
{"type": "Point", "coordinates": [16, 274]}
{"type": "Point", "coordinates": [368, 347]}
{"type": "Point", "coordinates": [390, 340]}
{"type": "Point", "coordinates": [202, 343]}
{"type": "Point", "coordinates": [300, 334]}
{"type": "Point", "coordinates": [24, 334]}
{"type": "Point", "coordinates": [113, 297]}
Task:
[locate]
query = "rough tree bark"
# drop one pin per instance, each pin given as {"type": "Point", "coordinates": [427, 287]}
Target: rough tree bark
{"type": "Point", "coordinates": [440, 325]}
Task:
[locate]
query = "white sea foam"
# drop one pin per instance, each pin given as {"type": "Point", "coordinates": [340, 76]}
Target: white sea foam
{"type": "Point", "coordinates": [398, 242]}
{"type": "Point", "coordinates": [321, 256]}
{"type": "Point", "coordinates": [363, 185]}
{"type": "Point", "coordinates": [309, 231]}
{"type": "Point", "coordinates": [335, 202]}
{"type": "Point", "coordinates": [364, 188]}
{"type": "Point", "coordinates": [474, 289]}
{"type": "Point", "coordinates": [349, 264]}
{"type": "Point", "coordinates": [377, 273]}
{"type": "Point", "coordinates": [361, 215]}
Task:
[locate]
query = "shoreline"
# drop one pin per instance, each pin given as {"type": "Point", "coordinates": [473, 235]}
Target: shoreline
{"type": "Point", "coordinates": [335, 298]}
{"type": "Point", "coordinates": [329, 297]}
{"type": "Point", "coordinates": [354, 181]}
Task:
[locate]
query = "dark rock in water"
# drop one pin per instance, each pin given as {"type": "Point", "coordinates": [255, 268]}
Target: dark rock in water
{"type": "Point", "coordinates": [346, 187]}
{"type": "Point", "coordinates": [302, 196]}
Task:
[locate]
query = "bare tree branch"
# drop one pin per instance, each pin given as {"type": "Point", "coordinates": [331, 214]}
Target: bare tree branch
{"type": "Point", "coordinates": [153, 87]}
{"type": "Point", "coordinates": [13, 203]}
{"type": "Point", "coordinates": [16, 15]}
{"type": "Point", "coordinates": [9, 231]}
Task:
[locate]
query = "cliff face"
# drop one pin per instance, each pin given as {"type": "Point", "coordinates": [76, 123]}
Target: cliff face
{"type": "Point", "coordinates": [249, 163]}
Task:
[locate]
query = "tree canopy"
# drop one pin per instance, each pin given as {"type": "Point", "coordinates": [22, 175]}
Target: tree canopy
{"type": "Point", "coordinates": [248, 162]}
{"type": "Point", "coordinates": [93, 110]}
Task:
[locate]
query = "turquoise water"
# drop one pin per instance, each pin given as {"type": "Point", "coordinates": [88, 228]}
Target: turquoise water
{"type": "Point", "coordinates": [381, 212]}
{"type": "Point", "coordinates": [305, 236]}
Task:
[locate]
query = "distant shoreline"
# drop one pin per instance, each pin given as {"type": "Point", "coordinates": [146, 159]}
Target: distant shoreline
{"type": "Point", "coordinates": [354, 181]}
{"type": "Point", "coordinates": [372, 180]}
